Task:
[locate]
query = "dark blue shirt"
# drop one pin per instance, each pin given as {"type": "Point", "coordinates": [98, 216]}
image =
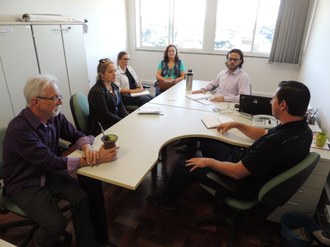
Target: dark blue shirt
{"type": "Point", "coordinates": [30, 149]}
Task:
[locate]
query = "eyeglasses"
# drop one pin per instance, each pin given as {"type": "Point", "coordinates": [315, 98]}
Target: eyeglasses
{"type": "Point", "coordinates": [54, 98]}
{"type": "Point", "coordinates": [126, 59]}
{"type": "Point", "coordinates": [103, 60]}
{"type": "Point", "coordinates": [233, 59]}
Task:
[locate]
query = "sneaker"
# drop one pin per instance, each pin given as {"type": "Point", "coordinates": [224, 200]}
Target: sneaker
{"type": "Point", "coordinates": [159, 202]}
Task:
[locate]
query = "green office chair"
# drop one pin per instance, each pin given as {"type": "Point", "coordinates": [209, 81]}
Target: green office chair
{"type": "Point", "coordinates": [80, 111]}
{"type": "Point", "coordinates": [272, 194]}
{"type": "Point", "coordinates": [7, 205]}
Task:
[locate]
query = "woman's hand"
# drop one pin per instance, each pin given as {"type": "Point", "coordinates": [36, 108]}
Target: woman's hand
{"type": "Point", "coordinates": [169, 80]}
{"type": "Point", "coordinates": [137, 90]}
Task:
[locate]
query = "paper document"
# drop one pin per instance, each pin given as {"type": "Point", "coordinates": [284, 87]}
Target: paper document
{"type": "Point", "coordinates": [198, 96]}
{"type": "Point", "coordinates": [145, 92]}
{"type": "Point", "coordinates": [211, 122]}
{"type": "Point", "coordinates": [205, 101]}
{"type": "Point", "coordinates": [149, 110]}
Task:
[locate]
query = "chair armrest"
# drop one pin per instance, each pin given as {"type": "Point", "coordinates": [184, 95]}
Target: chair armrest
{"type": "Point", "coordinates": [224, 181]}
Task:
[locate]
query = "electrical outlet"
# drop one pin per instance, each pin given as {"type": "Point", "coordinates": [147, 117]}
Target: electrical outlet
{"type": "Point", "coordinates": [327, 212]}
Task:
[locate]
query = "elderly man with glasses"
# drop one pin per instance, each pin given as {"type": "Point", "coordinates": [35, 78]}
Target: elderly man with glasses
{"type": "Point", "coordinates": [36, 175]}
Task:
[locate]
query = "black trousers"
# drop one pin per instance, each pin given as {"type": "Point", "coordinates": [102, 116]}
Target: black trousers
{"type": "Point", "coordinates": [94, 189]}
{"type": "Point", "coordinates": [182, 177]}
{"type": "Point", "coordinates": [40, 204]}
{"type": "Point", "coordinates": [138, 101]}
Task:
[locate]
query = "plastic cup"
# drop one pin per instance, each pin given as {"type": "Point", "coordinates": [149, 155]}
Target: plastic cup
{"type": "Point", "coordinates": [321, 138]}
{"type": "Point", "coordinates": [109, 140]}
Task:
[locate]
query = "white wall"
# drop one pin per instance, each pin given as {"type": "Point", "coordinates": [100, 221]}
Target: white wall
{"type": "Point", "coordinates": [315, 67]}
{"type": "Point", "coordinates": [106, 23]}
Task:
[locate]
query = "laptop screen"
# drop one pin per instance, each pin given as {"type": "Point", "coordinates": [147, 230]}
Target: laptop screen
{"type": "Point", "coordinates": [253, 104]}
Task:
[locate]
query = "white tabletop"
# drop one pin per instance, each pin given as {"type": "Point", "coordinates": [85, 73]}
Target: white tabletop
{"type": "Point", "coordinates": [176, 96]}
{"type": "Point", "coordinates": [4, 243]}
{"type": "Point", "coordinates": [141, 137]}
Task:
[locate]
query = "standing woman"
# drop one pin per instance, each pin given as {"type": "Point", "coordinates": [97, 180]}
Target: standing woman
{"type": "Point", "coordinates": [170, 70]}
{"type": "Point", "coordinates": [105, 105]}
{"type": "Point", "coordinates": [128, 82]}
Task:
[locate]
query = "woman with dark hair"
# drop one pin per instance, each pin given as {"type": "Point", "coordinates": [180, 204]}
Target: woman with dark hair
{"type": "Point", "coordinates": [170, 70]}
{"type": "Point", "coordinates": [105, 105]}
{"type": "Point", "coordinates": [128, 82]}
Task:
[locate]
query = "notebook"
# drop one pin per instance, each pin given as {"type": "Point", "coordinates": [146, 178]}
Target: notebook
{"type": "Point", "coordinates": [254, 104]}
{"type": "Point", "coordinates": [211, 122]}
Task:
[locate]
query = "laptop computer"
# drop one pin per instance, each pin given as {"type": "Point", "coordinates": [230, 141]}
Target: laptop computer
{"type": "Point", "coordinates": [254, 104]}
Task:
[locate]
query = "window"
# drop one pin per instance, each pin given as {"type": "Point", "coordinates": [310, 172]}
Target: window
{"type": "Point", "coordinates": [206, 26]}
{"type": "Point", "coordinates": [170, 22]}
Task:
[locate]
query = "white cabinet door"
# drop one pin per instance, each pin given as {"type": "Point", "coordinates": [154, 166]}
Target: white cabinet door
{"type": "Point", "coordinates": [18, 62]}
{"type": "Point", "coordinates": [6, 108]}
{"type": "Point", "coordinates": [74, 48]}
{"type": "Point", "coordinates": [49, 49]}
{"type": "Point", "coordinates": [61, 52]}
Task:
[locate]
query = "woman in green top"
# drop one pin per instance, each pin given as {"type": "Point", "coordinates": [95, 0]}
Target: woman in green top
{"type": "Point", "coordinates": [170, 70]}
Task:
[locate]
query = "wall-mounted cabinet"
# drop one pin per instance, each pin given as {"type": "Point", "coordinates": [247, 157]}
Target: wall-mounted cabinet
{"type": "Point", "coordinates": [60, 51]}
{"type": "Point", "coordinates": [30, 49]}
{"type": "Point", "coordinates": [18, 62]}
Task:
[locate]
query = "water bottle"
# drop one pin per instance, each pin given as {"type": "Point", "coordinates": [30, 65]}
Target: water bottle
{"type": "Point", "coordinates": [189, 80]}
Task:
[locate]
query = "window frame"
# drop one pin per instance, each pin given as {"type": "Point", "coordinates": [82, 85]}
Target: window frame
{"type": "Point", "coordinates": [208, 37]}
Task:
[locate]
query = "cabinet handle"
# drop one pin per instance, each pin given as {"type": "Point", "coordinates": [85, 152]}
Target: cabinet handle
{"type": "Point", "coordinates": [62, 29]}
{"type": "Point", "coordinates": [294, 203]}
{"type": "Point", "coordinates": [6, 30]}
{"type": "Point", "coordinates": [300, 191]}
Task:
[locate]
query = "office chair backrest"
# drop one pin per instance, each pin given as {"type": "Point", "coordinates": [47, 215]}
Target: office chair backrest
{"type": "Point", "coordinates": [80, 111]}
{"type": "Point", "coordinates": [279, 189]}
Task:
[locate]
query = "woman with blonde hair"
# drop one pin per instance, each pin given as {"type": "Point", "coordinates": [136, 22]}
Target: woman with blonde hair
{"type": "Point", "coordinates": [105, 104]}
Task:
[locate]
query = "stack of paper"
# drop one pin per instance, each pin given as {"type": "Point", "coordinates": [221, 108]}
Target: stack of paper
{"type": "Point", "coordinates": [198, 96]}
{"type": "Point", "coordinates": [149, 110]}
{"type": "Point", "coordinates": [145, 92]}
